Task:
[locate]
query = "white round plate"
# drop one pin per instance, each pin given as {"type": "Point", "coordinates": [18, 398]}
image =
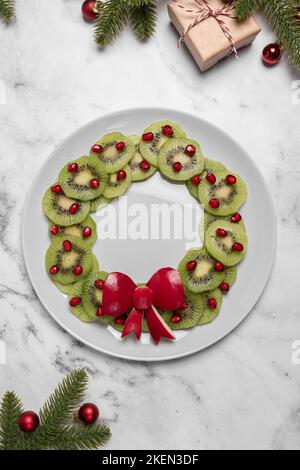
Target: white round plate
{"type": "Point", "coordinates": [253, 273]}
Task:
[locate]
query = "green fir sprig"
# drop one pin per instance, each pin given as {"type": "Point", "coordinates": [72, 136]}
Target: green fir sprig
{"type": "Point", "coordinates": [143, 19]}
{"type": "Point", "coordinates": [7, 10]}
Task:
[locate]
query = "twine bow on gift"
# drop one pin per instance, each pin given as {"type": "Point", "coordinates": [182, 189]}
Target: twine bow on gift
{"type": "Point", "coordinates": [204, 12]}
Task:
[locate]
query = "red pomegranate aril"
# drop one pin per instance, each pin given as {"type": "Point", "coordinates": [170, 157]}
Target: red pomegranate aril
{"type": "Point", "coordinates": [57, 189]}
{"type": "Point", "coordinates": [237, 247]}
{"type": "Point", "coordinates": [120, 320]}
{"type": "Point", "coordinates": [121, 175]}
{"type": "Point", "coordinates": [191, 265]}
{"type": "Point", "coordinates": [75, 301]}
{"type": "Point", "coordinates": [72, 168]}
{"type": "Point", "coordinates": [236, 218]}
{"type": "Point", "coordinates": [144, 165]}
{"type": "Point", "coordinates": [67, 245]}
{"type": "Point", "coordinates": [221, 232]}
{"type": "Point", "coordinates": [212, 303]}
{"type": "Point", "coordinates": [196, 180]}
{"type": "Point", "coordinates": [100, 312]}
{"type": "Point", "coordinates": [224, 286]}
{"type": "Point", "coordinates": [54, 230]}
{"type": "Point", "coordinates": [184, 306]}
{"type": "Point", "coordinates": [74, 208]}
{"type": "Point", "coordinates": [177, 167]}
{"type": "Point", "coordinates": [86, 232]}
{"type": "Point", "coordinates": [54, 270]}
{"type": "Point", "coordinates": [190, 150]}
{"type": "Point", "coordinates": [176, 319]}
{"type": "Point", "coordinates": [230, 179]}
{"type": "Point", "coordinates": [94, 184]}
{"type": "Point", "coordinates": [211, 178]}
{"type": "Point", "coordinates": [78, 270]}
{"type": "Point", "coordinates": [97, 148]}
{"type": "Point", "coordinates": [168, 131]}
{"type": "Point", "coordinates": [214, 203]}
{"type": "Point", "coordinates": [148, 137]}
{"type": "Point", "coordinates": [120, 146]}
{"type": "Point", "coordinates": [99, 284]}
{"type": "Point", "coordinates": [219, 267]}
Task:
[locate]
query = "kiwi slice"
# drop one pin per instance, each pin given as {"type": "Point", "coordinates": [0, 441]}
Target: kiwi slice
{"type": "Point", "coordinates": [188, 317]}
{"type": "Point", "coordinates": [155, 136]}
{"type": "Point", "coordinates": [224, 196]}
{"type": "Point", "coordinates": [63, 210]}
{"type": "Point", "coordinates": [91, 294]}
{"type": "Point", "coordinates": [65, 289]}
{"type": "Point", "coordinates": [118, 183]}
{"type": "Point", "coordinates": [211, 306]}
{"type": "Point", "coordinates": [209, 166]}
{"type": "Point", "coordinates": [86, 231]}
{"type": "Point", "coordinates": [231, 247]}
{"type": "Point", "coordinates": [140, 169]}
{"type": "Point", "coordinates": [208, 219]}
{"type": "Point", "coordinates": [99, 203]}
{"type": "Point", "coordinates": [114, 150]}
{"type": "Point", "coordinates": [68, 260]}
{"type": "Point", "coordinates": [180, 159]}
{"type": "Point", "coordinates": [78, 309]}
{"type": "Point", "coordinates": [197, 271]}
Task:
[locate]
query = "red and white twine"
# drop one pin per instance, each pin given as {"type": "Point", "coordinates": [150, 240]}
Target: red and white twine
{"type": "Point", "coordinates": [204, 12]}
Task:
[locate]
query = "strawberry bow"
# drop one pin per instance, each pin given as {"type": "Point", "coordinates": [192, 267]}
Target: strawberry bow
{"type": "Point", "coordinates": [164, 290]}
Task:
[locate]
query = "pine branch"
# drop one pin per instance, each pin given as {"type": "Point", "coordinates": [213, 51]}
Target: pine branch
{"type": "Point", "coordinates": [137, 3]}
{"type": "Point", "coordinates": [7, 10]}
{"type": "Point", "coordinates": [82, 437]}
{"type": "Point", "coordinates": [110, 22]}
{"type": "Point", "coordinates": [245, 8]}
{"type": "Point", "coordinates": [11, 408]}
{"type": "Point", "coordinates": [143, 19]}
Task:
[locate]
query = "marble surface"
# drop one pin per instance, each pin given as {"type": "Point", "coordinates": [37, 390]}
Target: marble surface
{"type": "Point", "coordinates": [243, 392]}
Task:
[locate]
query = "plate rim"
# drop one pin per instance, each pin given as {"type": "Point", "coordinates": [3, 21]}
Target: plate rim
{"type": "Point", "coordinates": [163, 109]}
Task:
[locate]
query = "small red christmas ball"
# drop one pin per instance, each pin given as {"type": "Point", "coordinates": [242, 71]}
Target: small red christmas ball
{"type": "Point", "coordinates": [214, 203]}
{"type": "Point", "coordinates": [191, 265]}
{"type": "Point", "coordinates": [235, 218]}
{"type": "Point", "coordinates": [120, 146]}
{"type": "Point", "coordinates": [168, 131]}
{"type": "Point", "coordinates": [224, 286]}
{"type": "Point", "coordinates": [190, 150]}
{"type": "Point", "coordinates": [97, 148]}
{"type": "Point", "coordinates": [272, 54]}
{"type": "Point", "coordinates": [148, 137]}
{"type": "Point", "coordinates": [196, 180]}
{"type": "Point", "coordinates": [86, 232]}
{"type": "Point", "coordinates": [90, 10]}
{"type": "Point", "coordinates": [75, 301]}
{"type": "Point", "coordinates": [144, 165]}
{"type": "Point", "coordinates": [94, 184]}
{"type": "Point", "coordinates": [177, 167]}
{"type": "Point", "coordinates": [121, 175]}
{"type": "Point", "coordinates": [28, 421]}
{"type": "Point", "coordinates": [176, 318]}
{"type": "Point", "coordinates": [88, 413]}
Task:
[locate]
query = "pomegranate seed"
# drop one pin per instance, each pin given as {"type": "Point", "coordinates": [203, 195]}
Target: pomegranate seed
{"type": "Point", "coordinates": [67, 245]}
{"type": "Point", "coordinates": [224, 286]}
{"type": "Point", "coordinates": [177, 167]}
{"type": "Point", "coordinates": [230, 179]}
{"type": "Point", "coordinates": [148, 137]}
{"type": "Point", "coordinates": [86, 232]}
{"type": "Point", "coordinates": [212, 303]}
{"type": "Point", "coordinates": [97, 148]}
{"type": "Point", "coordinates": [144, 165]}
{"type": "Point", "coordinates": [121, 175]}
{"type": "Point", "coordinates": [77, 270]}
{"type": "Point", "coordinates": [168, 131]}
{"type": "Point", "coordinates": [219, 267]}
{"type": "Point", "coordinates": [176, 318]}
{"type": "Point", "coordinates": [54, 230]}
{"type": "Point", "coordinates": [120, 146]}
{"type": "Point", "coordinates": [72, 168]}
{"type": "Point", "coordinates": [184, 306]}
{"type": "Point", "coordinates": [196, 180]}
{"type": "Point", "coordinates": [120, 320]}
{"type": "Point", "coordinates": [191, 265]}
{"type": "Point", "coordinates": [54, 270]}
{"type": "Point", "coordinates": [75, 301]}
{"type": "Point", "coordinates": [100, 312]}
{"type": "Point", "coordinates": [236, 218]}
{"type": "Point", "coordinates": [221, 233]}
{"type": "Point", "coordinates": [211, 178]}
{"type": "Point", "coordinates": [214, 203]}
{"type": "Point", "coordinates": [94, 184]}
{"type": "Point", "coordinates": [57, 189]}
{"type": "Point", "coordinates": [99, 284]}
{"type": "Point", "coordinates": [190, 150]}
{"type": "Point", "coordinates": [74, 208]}
{"type": "Point", "coordinates": [237, 247]}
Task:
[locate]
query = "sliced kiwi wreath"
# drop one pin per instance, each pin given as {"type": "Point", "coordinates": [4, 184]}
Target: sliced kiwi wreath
{"type": "Point", "coordinates": [89, 183]}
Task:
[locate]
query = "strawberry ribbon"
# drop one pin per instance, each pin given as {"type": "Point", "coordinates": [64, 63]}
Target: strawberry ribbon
{"type": "Point", "coordinates": [121, 295]}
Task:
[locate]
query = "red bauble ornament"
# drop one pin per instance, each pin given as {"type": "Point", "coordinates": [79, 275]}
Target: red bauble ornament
{"type": "Point", "coordinates": [236, 217]}
{"type": "Point", "coordinates": [86, 232]}
{"type": "Point", "coordinates": [148, 137]}
{"type": "Point", "coordinates": [144, 165]}
{"type": "Point", "coordinates": [214, 203]}
{"type": "Point", "coordinates": [28, 421]}
{"type": "Point", "coordinates": [211, 178]}
{"type": "Point", "coordinates": [94, 184]}
{"type": "Point", "coordinates": [196, 180]}
{"type": "Point", "coordinates": [177, 167]}
{"type": "Point", "coordinates": [121, 175]}
{"type": "Point", "coordinates": [190, 150]}
{"type": "Point", "coordinates": [88, 413]}
{"type": "Point", "coordinates": [272, 54]}
{"type": "Point", "coordinates": [90, 9]}
{"type": "Point", "coordinates": [75, 301]}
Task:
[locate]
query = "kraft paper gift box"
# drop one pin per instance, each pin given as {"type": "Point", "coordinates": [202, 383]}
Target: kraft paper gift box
{"type": "Point", "coordinates": [206, 41]}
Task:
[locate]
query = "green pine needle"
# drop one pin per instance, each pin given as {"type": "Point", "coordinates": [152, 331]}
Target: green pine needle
{"type": "Point", "coordinates": [7, 10]}
{"type": "Point", "coordinates": [143, 19]}
{"type": "Point", "coordinates": [82, 437]}
{"type": "Point", "coordinates": [11, 408]}
{"type": "Point", "coordinates": [137, 3]}
{"type": "Point", "coordinates": [110, 22]}
{"type": "Point", "coordinates": [245, 8]}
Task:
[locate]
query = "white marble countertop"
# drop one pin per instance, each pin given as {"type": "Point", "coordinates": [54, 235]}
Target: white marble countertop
{"type": "Point", "coordinates": [243, 392]}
